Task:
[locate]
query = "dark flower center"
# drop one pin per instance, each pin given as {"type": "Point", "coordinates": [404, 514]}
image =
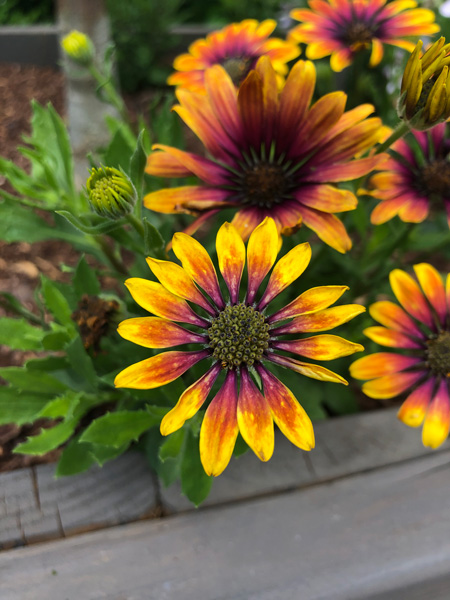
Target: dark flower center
{"type": "Point", "coordinates": [239, 334]}
{"type": "Point", "coordinates": [264, 184]}
{"type": "Point", "coordinates": [435, 178]}
{"type": "Point", "coordinates": [438, 354]}
{"type": "Point", "coordinates": [358, 33]}
{"type": "Point", "coordinates": [237, 68]}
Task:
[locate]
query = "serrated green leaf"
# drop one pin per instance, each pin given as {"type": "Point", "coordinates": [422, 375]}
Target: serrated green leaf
{"type": "Point", "coordinates": [18, 334]}
{"type": "Point", "coordinates": [19, 407]}
{"type": "Point", "coordinates": [58, 305]}
{"type": "Point", "coordinates": [119, 151]}
{"type": "Point", "coordinates": [84, 223]}
{"type": "Point", "coordinates": [81, 363]}
{"type": "Point", "coordinates": [56, 340]}
{"type": "Point", "coordinates": [18, 223]}
{"type": "Point", "coordinates": [85, 280]}
{"type": "Point", "coordinates": [48, 364]}
{"type": "Point", "coordinates": [47, 439]}
{"type": "Point", "coordinates": [75, 458]}
{"type": "Point", "coordinates": [118, 428]}
{"type": "Point", "coordinates": [102, 454]}
{"type": "Point", "coordinates": [60, 406]}
{"type": "Point", "coordinates": [195, 483]}
{"type": "Point", "coordinates": [32, 381]}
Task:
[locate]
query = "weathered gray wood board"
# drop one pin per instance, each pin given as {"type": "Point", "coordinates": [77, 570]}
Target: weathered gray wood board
{"type": "Point", "coordinates": [364, 536]}
{"type": "Point", "coordinates": [344, 445]}
{"type": "Point", "coordinates": [34, 506]}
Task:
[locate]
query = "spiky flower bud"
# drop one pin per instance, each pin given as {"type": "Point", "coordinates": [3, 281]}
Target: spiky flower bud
{"type": "Point", "coordinates": [78, 47]}
{"type": "Point", "coordinates": [111, 193]}
{"type": "Point", "coordinates": [425, 91]}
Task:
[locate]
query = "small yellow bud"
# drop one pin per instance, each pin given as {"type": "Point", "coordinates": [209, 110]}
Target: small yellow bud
{"type": "Point", "coordinates": [79, 47]}
{"type": "Point", "coordinates": [111, 193]}
{"type": "Point", "coordinates": [425, 91]}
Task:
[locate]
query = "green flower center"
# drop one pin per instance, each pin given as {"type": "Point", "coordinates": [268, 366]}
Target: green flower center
{"type": "Point", "coordinates": [358, 33]}
{"type": "Point", "coordinates": [237, 68]}
{"type": "Point", "coordinates": [435, 178]}
{"type": "Point", "coordinates": [239, 334]}
{"type": "Point", "coordinates": [438, 354]}
{"type": "Point", "coordinates": [264, 184]}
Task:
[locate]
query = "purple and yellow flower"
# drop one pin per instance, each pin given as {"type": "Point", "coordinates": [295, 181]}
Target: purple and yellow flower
{"type": "Point", "coordinates": [237, 48]}
{"type": "Point", "coordinates": [415, 179]}
{"type": "Point", "coordinates": [420, 329]}
{"type": "Point", "coordinates": [270, 153]}
{"type": "Point", "coordinates": [342, 28]}
{"type": "Point", "coordinates": [238, 337]}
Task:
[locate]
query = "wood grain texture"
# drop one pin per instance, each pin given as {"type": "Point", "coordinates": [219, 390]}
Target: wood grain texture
{"type": "Point", "coordinates": [372, 536]}
{"type": "Point", "coordinates": [35, 506]}
{"type": "Point", "coordinates": [344, 445]}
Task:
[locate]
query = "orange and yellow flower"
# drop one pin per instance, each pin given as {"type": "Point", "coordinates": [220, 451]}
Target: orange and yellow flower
{"type": "Point", "coordinates": [237, 337]}
{"type": "Point", "coordinates": [270, 154]}
{"type": "Point", "coordinates": [415, 178]}
{"type": "Point", "coordinates": [419, 328]}
{"type": "Point", "coordinates": [342, 28]}
{"type": "Point", "coordinates": [237, 48]}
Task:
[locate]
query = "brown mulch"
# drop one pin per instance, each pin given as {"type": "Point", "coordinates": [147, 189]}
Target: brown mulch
{"type": "Point", "coordinates": [21, 263]}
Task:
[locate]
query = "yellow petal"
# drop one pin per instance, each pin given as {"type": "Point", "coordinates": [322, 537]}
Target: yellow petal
{"type": "Point", "coordinates": [262, 250]}
{"type": "Point", "coordinates": [231, 256]}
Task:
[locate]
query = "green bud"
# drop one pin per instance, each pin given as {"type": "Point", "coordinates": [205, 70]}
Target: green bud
{"type": "Point", "coordinates": [78, 47]}
{"type": "Point", "coordinates": [111, 193]}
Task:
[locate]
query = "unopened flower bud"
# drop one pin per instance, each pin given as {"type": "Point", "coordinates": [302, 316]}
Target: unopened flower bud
{"type": "Point", "coordinates": [425, 91]}
{"type": "Point", "coordinates": [111, 193]}
{"type": "Point", "coordinates": [78, 47]}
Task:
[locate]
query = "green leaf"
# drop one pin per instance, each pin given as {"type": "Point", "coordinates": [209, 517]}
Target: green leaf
{"type": "Point", "coordinates": [75, 458]}
{"type": "Point", "coordinates": [47, 439]}
{"type": "Point", "coordinates": [340, 399]}
{"type": "Point", "coordinates": [81, 363]}
{"type": "Point", "coordinates": [153, 241]}
{"type": "Point", "coordinates": [172, 445]}
{"type": "Point", "coordinates": [240, 447]}
{"type": "Point", "coordinates": [195, 483]}
{"type": "Point", "coordinates": [102, 454]}
{"type": "Point", "coordinates": [119, 150]}
{"type": "Point", "coordinates": [58, 407]}
{"type": "Point", "coordinates": [138, 161]}
{"type": "Point", "coordinates": [118, 428]}
{"type": "Point", "coordinates": [18, 334]}
{"type": "Point", "coordinates": [18, 223]}
{"type": "Point", "coordinates": [32, 381]}
{"type": "Point", "coordinates": [57, 304]}
{"type": "Point", "coordinates": [85, 280]}
{"type": "Point", "coordinates": [91, 224]}
{"type": "Point", "coordinates": [17, 407]}
{"type": "Point", "coordinates": [56, 340]}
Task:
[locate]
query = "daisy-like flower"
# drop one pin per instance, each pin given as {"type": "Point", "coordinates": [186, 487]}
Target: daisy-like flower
{"type": "Point", "coordinates": [238, 336]}
{"type": "Point", "coordinates": [271, 154]}
{"type": "Point", "coordinates": [343, 28]}
{"type": "Point", "coordinates": [414, 179]}
{"type": "Point", "coordinates": [237, 48]}
{"type": "Point", "coordinates": [421, 330]}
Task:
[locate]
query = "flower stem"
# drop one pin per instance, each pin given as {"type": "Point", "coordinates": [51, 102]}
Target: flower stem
{"type": "Point", "coordinates": [136, 224]}
{"type": "Point", "coordinates": [110, 93]}
{"type": "Point", "coordinates": [110, 255]}
{"type": "Point", "coordinates": [401, 129]}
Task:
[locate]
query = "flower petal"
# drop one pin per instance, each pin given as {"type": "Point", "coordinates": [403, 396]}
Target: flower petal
{"type": "Point", "coordinates": [433, 288]}
{"type": "Point", "coordinates": [437, 422]}
{"type": "Point", "coordinates": [231, 256]}
{"type": "Point", "coordinates": [410, 296]}
{"type": "Point", "coordinates": [220, 428]}
{"type": "Point", "coordinates": [204, 169]}
{"type": "Point", "coordinates": [328, 227]}
{"type": "Point", "coordinates": [198, 265]}
{"type": "Point", "coordinates": [153, 332]}
{"type": "Point", "coordinates": [156, 299]}
{"type": "Point", "coordinates": [295, 99]}
{"type": "Point", "coordinates": [262, 250]}
{"type": "Point", "coordinates": [322, 320]}
{"type": "Point", "coordinates": [390, 338]}
{"type": "Point", "coordinates": [312, 300]}
{"type": "Point", "coordinates": [288, 269]}
{"type": "Point", "coordinates": [307, 369]}
{"type": "Point", "coordinates": [391, 315]}
{"type": "Point", "coordinates": [251, 108]}
{"type": "Point", "coordinates": [255, 419]}
{"type": "Point", "coordinates": [381, 363]}
{"type": "Point", "coordinates": [389, 386]}
{"type": "Point", "coordinates": [287, 413]}
{"type": "Point", "coordinates": [175, 279]}
{"type": "Point", "coordinates": [223, 99]}
{"type": "Point", "coordinates": [320, 347]}
{"type": "Point", "coordinates": [161, 164]}
{"type": "Point", "coordinates": [158, 370]}
{"type": "Point", "coordinates": [326, 198]}
{"type": "Point", "coordinates": [190, 401]}
{"type": "Point", "coordinates": [188, 198]}
{"type": "Point", "coordinates": [412, 411]}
